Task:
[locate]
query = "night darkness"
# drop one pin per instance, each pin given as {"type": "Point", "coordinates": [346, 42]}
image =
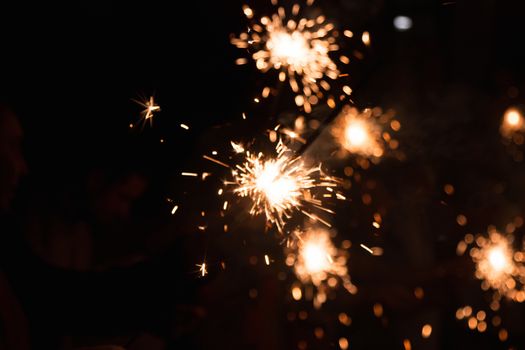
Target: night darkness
{"type": "Point", "coordinates": [91, 255]}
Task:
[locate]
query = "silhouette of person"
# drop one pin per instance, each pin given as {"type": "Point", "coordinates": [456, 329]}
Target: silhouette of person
{"type": "Point", "coordinates": [41, 303]}
{"type": "Point", "coordinates": [13, 324]}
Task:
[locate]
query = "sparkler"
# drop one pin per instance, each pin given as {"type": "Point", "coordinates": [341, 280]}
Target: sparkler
{"type": "Point", "coordinates": [280, 186]}
{"type": "Point", "coordinates": [150, 108]}
{"type": "Point", "coordinates": [512, 122]}
{"type": "Point", "coordinates": [498, 266]}
{"type": "Point", "coordinates": [512, 129]}
{"type": "Point", "coordinates": [361, 133]}
{"type": "Point", "coordinates": [297, 48]}
{"type": "Point", "coordinates": [203, 268]}
{"type": "Point", "coordinates": [317, 261]}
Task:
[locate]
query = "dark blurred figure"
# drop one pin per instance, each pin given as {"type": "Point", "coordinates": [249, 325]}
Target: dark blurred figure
{"type": "Point", "coordinates": [13, 324]}
{"type": "Point", "coordinates": [12, 163]}
{"type": "Point", "coordinates": [50, 304]}
{"type": "Point", "coordinates": [91, 226]}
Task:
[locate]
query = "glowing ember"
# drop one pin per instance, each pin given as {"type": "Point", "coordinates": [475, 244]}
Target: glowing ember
{"type": "Point", "coordinates": [298, 49]}
{"type": "Point", "coordinates": [280, 186]}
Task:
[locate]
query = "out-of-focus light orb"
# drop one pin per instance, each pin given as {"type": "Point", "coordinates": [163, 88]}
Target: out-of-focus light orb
{"type": "Point", "coordinates": [402, 23]}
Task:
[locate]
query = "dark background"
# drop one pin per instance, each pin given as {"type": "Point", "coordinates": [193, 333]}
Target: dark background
{"type": "Point", "coordinates": [71, 70]}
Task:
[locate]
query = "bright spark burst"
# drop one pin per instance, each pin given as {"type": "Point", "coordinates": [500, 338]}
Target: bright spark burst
{"type": "Point", "coordinates": [359, 133]}
{"type": "Point", "coordinates": [150, 108]}
{"type": "Point", "coordinates": [317, 261]}
{"type": "Point", "coordinates": [297, 48]}
{"type": "Point", "coordinates": [203, 269]}
{"type": "Point", "coordinates": [498, 266]}
{"type": "Point", "coordinates": [280, 186]}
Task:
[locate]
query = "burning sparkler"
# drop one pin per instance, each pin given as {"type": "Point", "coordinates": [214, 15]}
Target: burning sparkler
{"type": "Point", "coordinates": [317, 261]}
{"type": "Point", "coordinates": [280, 186]}
{"type": "Point", "coordinates": [512, 123]}
{"type": "Point", "coordinates": [150, 108]}
{"type": "Point", "coordinates": [360, 133]}
{"type": "Point", "coordinates": [498, 266]}
{"type": "Point", "coordinates": [512, 129]}
{"type": "Point", "coordinates": [297, 48]}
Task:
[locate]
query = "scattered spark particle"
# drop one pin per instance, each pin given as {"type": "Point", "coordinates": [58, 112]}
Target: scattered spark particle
{"type": "Point", "coordinates": [367, 249]}
{"type": "Point", "coordinates": [366, 38]}
{"type": "Point", "coordinates": [340, 196]}
{"type": "Point", "coordinates": [378, 310]}
{"type": "Point", "coordinates": [215, 161]}
{"type": "Point", "coordinates": [461, 220]}
{"type": "Point", "coordinates": [343, 343]}
{"type": "Point", "coordinates": [248, 12]}
{"type": "Point", "coordinates": [449, 189]}
{"type": "Point", "coordinates": [237, 147]}
{"type": "Point", "coordinates": [267, 259]}
{"type": "Point", "coordinates": [174, 210]}
{"type": "Point", "coordinates": [297, 294]}
{"type": "Point", "coordinates": [348, 33]}
{"type": "Point", "coordinates": [189, 174]}
{"type": "Point", "coordinates": [426, 331]}
{"type": "Point", "coordinates": [184, 126]}
{"type": "Point", "coordinates": [419, 293]}
{"type": "Point", "coordinates": [344, 319]}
